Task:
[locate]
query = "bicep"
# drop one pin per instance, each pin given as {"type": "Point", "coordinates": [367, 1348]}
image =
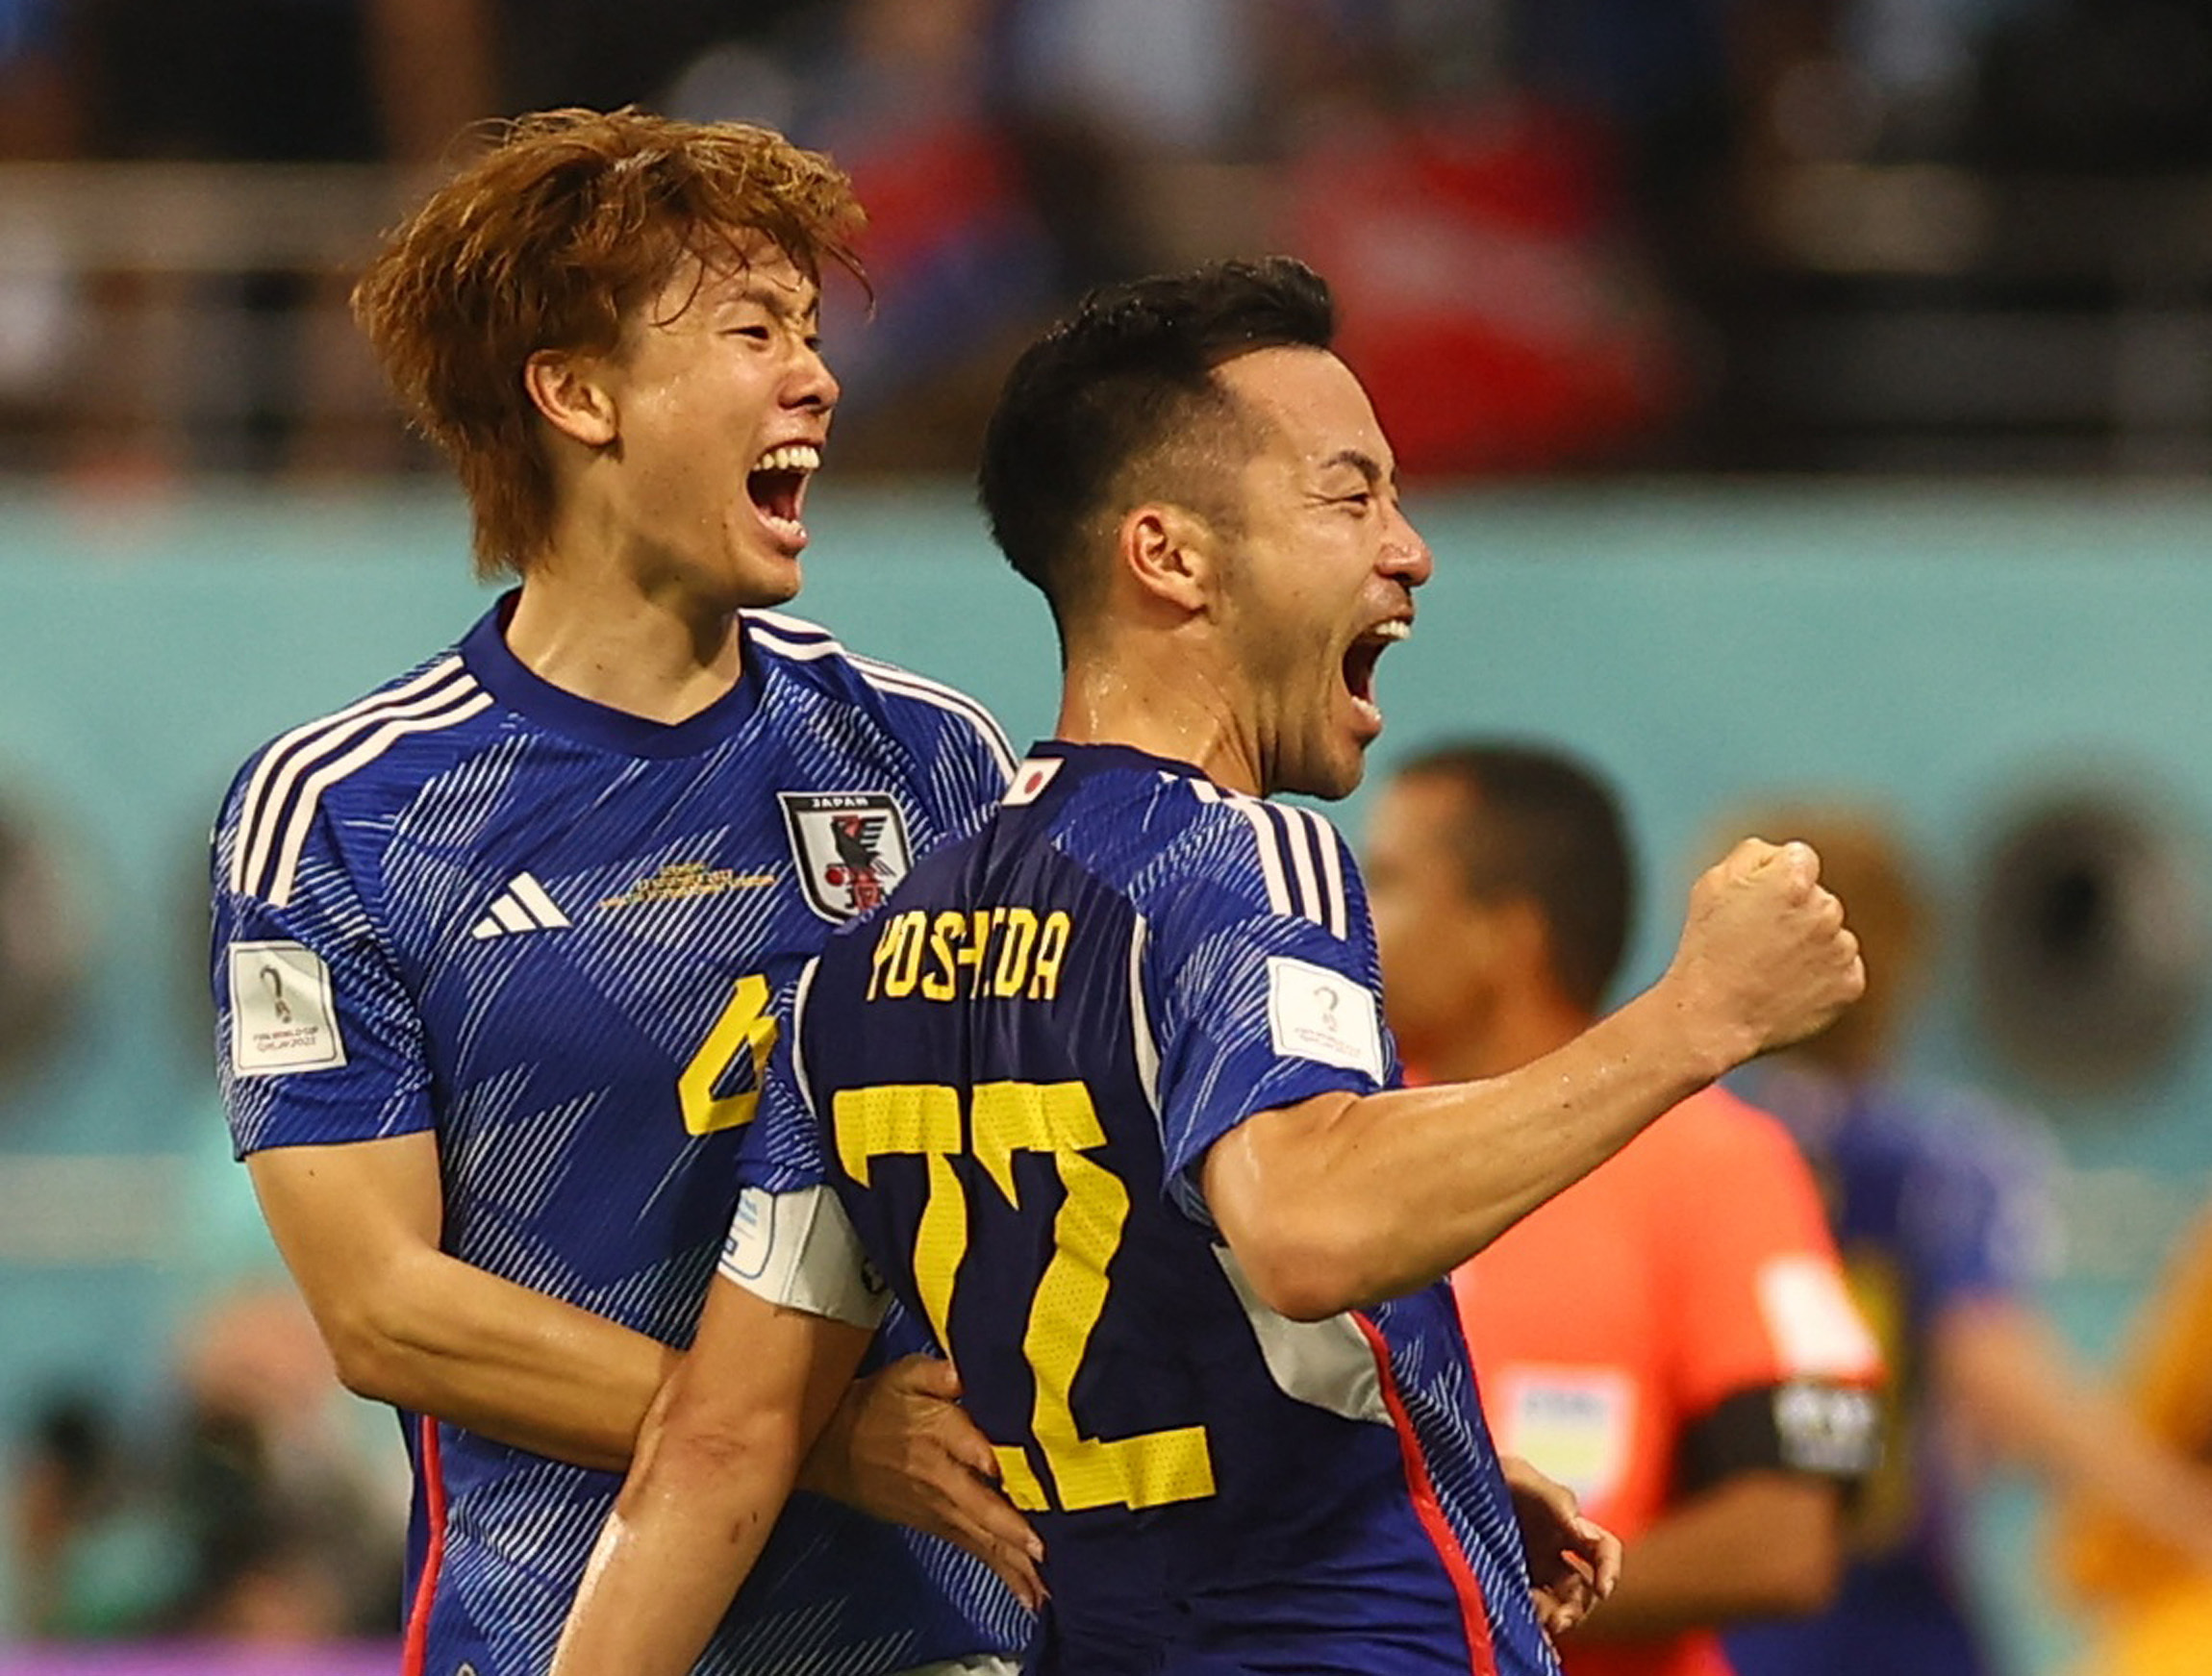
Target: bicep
{"type": "Point", "coordinates": [341, 1213]}
{"type": "Point", "coordinates": [1248, 1173]}
{"type": "Point", "coordinates": [1266, 1188]}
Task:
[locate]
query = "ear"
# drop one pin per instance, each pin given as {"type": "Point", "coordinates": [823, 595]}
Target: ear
{"type": "Point", "coordinates": [569, 390]}
{"type": "Point", "coordinates": [1171, 554]}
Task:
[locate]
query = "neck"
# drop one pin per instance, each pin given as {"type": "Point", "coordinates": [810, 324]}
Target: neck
{"type": "Point", "coordinates": [661, 654]}
{"type": "Point", "coordinates": [1167, 699]}
{"type": "Point", "coordinates": [1526, 1022]}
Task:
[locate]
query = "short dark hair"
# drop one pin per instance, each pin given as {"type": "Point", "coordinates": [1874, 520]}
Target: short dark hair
{"type": "Point", "coordinates": [1127, 382]}
{"type": "Point", "coordinates": [1544, 827]}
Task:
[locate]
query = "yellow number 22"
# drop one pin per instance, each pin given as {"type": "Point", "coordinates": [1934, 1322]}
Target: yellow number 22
{"type": "Point", "coordinates": [1148, 1470]}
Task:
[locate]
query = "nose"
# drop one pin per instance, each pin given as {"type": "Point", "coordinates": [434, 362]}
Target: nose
{"type": "Point", "coordinates": [1405, 555]}
{"type": "Point", "coordinates": [811, 384]}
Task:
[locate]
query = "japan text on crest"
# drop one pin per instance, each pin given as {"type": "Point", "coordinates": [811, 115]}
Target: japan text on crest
{"type": "Point", "coordinates": [850, 847]}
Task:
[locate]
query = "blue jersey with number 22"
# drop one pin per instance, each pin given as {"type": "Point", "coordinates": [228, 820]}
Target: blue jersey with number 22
{"type": "Point", "coordinates": [1011, 1075]}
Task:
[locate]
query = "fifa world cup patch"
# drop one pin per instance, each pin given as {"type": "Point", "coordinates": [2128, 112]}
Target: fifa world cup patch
{"type": "Point", "coordinates": [1318, 1014]}
{"type": "Point", "coordinates": [850, 848]}
{"type": "Point", "coordinates": [283, 1018]}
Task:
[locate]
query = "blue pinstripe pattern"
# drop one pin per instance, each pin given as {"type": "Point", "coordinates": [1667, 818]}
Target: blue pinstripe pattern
{"type": "Point", "coordinates": [545, 1059]}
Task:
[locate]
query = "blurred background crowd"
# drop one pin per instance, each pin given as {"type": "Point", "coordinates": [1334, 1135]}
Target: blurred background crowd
{"type": "Point", "coordinates": [1658, 234]}
{"type": "Point", "coordinates": [1599, 261]}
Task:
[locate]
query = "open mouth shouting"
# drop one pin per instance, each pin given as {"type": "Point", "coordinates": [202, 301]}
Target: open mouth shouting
{"type": "Point", "coordinates": [777, 484]}
{"type": "Point", "coordinates": [1359, 667]}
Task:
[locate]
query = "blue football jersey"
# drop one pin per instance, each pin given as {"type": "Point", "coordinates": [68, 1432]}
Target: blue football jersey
{"type": "Point", "coordinates": [1011, 1076]}
{"type": "Point", "coordinates": [1937, 1199]}
{"type": "Point", "coordinates": [552, 933]}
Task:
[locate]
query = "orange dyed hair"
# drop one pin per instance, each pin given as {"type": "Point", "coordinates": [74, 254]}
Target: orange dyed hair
{"type": "Point", "coordinates": [549, 240]}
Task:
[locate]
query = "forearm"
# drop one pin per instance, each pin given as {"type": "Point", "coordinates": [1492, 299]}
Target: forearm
{"type": "Point", "coordinates": [408, 1324]}
{"type": "Point", "coordinates": [716, 1458]}
{"type": "Point", "coordinates": [443, 1337]}
{"type": "Point", "coordinates": [1761, 1544]}
{"type": "Point", "coordinates": [2005, 1372]}
{"type": "Point", "coordinates": [689, 1525]}
{"type": "Point", "coordinates": [1340, 1201]}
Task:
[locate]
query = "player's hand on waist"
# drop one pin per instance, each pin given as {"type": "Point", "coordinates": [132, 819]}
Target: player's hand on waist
{"type": "Point", "coordinates": [901, 1448]}
{"type": "Point", "coordinates": [1573, 1561]}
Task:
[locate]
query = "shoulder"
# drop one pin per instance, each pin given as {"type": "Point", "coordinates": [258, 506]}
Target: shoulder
{"type": "Point", "coordinates": [914, 706]}
{"type": "Point", "coordinates": [1940, 1132]}
{"type": "Point", "coordinates": [1234, 855]}
{"type": "Point", "coordinates": [1729, 1178]}
{"type": "Point", "coordinates": [376, 751]}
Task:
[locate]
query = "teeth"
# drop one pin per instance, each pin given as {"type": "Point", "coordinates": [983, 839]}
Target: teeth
{"type": "Point", "coordinates": [1396, 629]}
{"type": "Point", "coordinates": [791, 457]}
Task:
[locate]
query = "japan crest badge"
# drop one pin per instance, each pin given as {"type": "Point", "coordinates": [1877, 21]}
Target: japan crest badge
{"type": "Point", "coordinates": [850, 847]}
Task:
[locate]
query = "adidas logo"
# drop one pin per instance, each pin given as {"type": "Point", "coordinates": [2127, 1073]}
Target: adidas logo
{"type": "Point", "coordinates": [523, 905]}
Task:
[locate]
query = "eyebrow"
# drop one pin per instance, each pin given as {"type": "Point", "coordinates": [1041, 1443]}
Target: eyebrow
{"type": "Point", "coordinates": [776, 301]}
{"type": "Point", "coordinates": [1362, 463]}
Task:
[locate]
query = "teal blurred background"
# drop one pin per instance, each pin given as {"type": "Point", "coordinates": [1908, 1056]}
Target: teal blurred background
{"type": "Point", "coordinates": [1945, 651]}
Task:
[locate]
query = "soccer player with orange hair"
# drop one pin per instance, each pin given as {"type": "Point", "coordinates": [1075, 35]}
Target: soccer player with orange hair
{"type": "Point", "coordinates": [495, 945]}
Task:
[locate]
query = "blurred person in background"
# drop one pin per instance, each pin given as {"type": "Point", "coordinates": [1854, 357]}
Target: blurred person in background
{"type": "Point", "coordinates": [250, 1514]}
{"type": "Point", "coordinates": [41, 80]}
{"type": "Point", "coordinates": [292, 1534]}
{"type": "Point", "coordinates": [67, 1477]}
{"type": "Point", "coordinates": [1495, 288]}
{"type": "Point", "coordinates": [2151, 1596]}
{"type": "Point", "coordinates": [1935, 1196]}
{"type": "Point", "coordinates": [43, 119]}
{"type": "Point", "coordinates": [252, 364]}
{"type": "Point", "coordinates": [496, 946]}
{"type": "Point", "coordinates": [1670, 1336]}
{"type": "Point", "coordinates": [963, 264]}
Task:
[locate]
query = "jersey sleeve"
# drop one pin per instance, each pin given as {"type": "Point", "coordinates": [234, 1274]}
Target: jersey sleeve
{"type": "Point", "coordinates": [781, 1150]}
{"type": "Point", "coordinates": [1775, 1365]}
{"type": "Point", "coordinates": [791, 1241]}
{"type": "Point", "coordinates": [318, 1038]}
{"type": "Point", "coordinates": [1260, 978]}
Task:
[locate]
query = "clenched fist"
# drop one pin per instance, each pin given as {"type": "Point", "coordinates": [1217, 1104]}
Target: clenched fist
{"type": "Point", "coordinates": [1765, 959]}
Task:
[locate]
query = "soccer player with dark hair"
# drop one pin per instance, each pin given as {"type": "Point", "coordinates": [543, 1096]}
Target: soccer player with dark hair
{"type": "Point", "coordinates": [1105, 1093]}
{"type": "Point", "coordinates": [495, 945]}
{"type": "Point", "coordinates": [1673, 1337]}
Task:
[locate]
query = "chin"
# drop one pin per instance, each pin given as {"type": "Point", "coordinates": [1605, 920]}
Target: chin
{"type": "Point", "coordinates": [769, 583]}
{"type": "Point", "coordinates": [1329, 781]}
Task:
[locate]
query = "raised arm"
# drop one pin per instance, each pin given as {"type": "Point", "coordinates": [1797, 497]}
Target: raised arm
{"type": "Point", "coordinates": [715, 1462]}
{"type": "Point", "coordinates": [1342, 1200]}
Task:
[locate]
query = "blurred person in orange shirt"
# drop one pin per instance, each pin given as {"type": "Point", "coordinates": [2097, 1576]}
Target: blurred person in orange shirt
{"type": "Point", "coordinates": [1671, 1336]}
